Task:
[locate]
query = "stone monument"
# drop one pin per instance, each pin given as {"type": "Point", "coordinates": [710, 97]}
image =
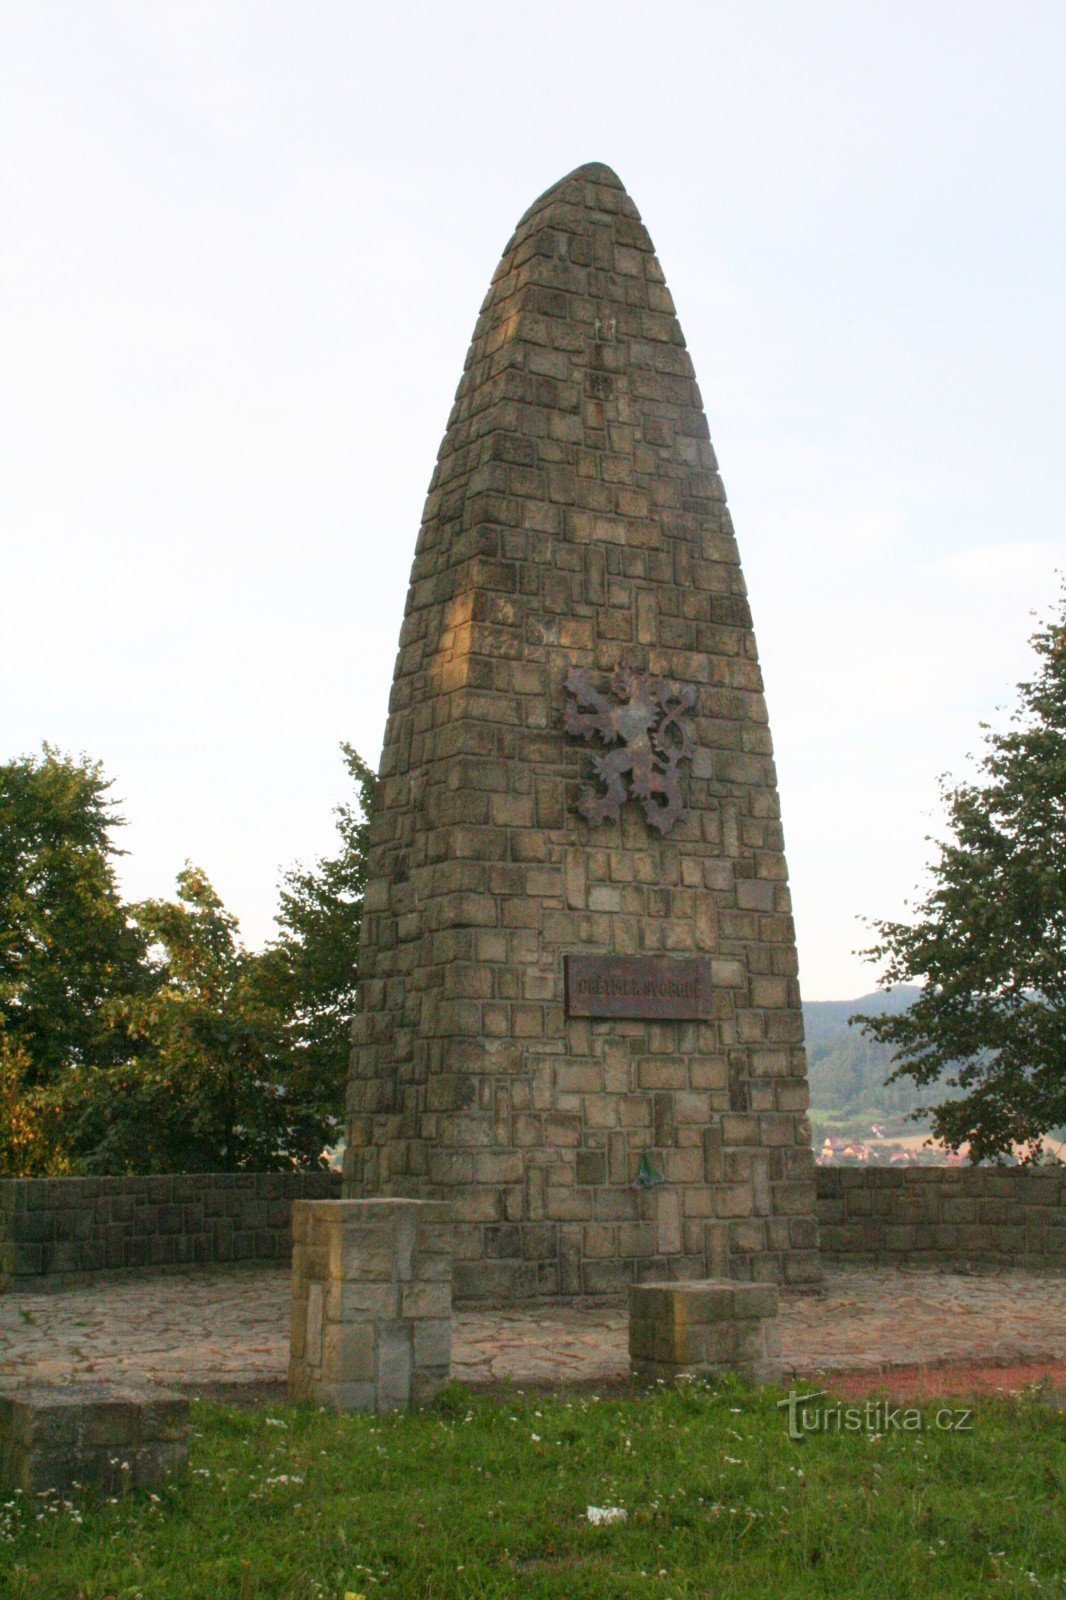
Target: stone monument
{"type": "Point", "coordinates": [579, 1013]}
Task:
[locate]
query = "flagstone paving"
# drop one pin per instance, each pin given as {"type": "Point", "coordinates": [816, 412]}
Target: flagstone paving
{"type": "Point", "coordinates": [231, 1327]}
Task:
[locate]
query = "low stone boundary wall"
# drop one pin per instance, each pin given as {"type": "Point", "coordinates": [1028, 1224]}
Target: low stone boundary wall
{"type": "Point", "coordinates": [58, 1231]}
{"type": "Point", "coordinates": [981, 1216]}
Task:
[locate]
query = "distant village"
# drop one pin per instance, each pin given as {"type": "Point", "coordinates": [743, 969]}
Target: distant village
{"type": "Point", "coordinates": [913, 1150]}
{"type": "Point", "coordinates": [880, 1151]}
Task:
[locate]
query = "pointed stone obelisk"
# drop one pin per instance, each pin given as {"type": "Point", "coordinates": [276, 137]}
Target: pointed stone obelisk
{"type": "Point", "coordinates": [579, 1011]}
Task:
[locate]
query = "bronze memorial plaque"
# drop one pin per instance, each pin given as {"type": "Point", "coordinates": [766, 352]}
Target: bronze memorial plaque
{"type": "Point", "coordinates": [638, 986]}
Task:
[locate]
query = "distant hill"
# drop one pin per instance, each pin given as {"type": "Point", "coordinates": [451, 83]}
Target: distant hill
{"type": "Point", "coordinates": [847, 1069]}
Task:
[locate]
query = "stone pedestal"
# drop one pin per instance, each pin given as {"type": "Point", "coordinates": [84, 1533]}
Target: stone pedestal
{"type": "Point", "coordinates": [371, 1303]}
{"type": "Point", "coordinates": [704, 1327]}
{"type": "Point", "coordinates": [99, 1435]}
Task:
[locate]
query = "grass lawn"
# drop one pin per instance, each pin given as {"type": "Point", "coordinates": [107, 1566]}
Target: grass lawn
{"type": "Point", "coordinates": [481, 1497]}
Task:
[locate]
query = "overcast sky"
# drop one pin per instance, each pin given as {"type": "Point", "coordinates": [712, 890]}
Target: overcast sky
{"type": "Point", "coordinates": [242, 249]}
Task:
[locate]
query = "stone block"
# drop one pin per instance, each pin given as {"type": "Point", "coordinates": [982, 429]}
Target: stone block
{"type": "Point", "coordinates": [371, 1303]}
{"type": "Point", "coordinates": [606, 1277]}
{"type": "Point", "coordinates": [426, 1300]}
{"type": "Point", "coordinates": [104, 1436]}
{"type": "Point", "coordinates": [707, 1326]}
{"type": "Point", "coordinates": [394, 1366]}
{"type": "Point", "coordinates": [802, 1269]}
{"type": "Point", "coordinates": [591, 1166]}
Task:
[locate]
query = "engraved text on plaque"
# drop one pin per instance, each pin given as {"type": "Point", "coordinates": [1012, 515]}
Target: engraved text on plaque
{"type": "Point", "coordinates": [637, 986]}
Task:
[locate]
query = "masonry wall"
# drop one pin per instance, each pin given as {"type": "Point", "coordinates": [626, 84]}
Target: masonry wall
{"type": "Point", "coordinates": [577, 520]}
{"type": "Point", "coordinates": [55, 1231]}
{"type": "Point", "coordinates": [982, 1216]}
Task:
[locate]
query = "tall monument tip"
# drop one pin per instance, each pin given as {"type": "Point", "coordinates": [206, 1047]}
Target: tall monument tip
{"type": "Point", "coordinates": [596, 172]}
{"type": "Point", "coordinates": [583, 186]}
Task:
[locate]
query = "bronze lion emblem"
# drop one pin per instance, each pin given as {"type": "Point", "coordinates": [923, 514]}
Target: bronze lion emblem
{"type": "Point", "coordinates": [648, 718]}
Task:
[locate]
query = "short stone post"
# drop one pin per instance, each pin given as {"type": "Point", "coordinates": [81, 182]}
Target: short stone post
{"type": "Point", "coordinates": [105, 1436]}
{"type": "Point", "coordinates": [704, 1327]}
{"type": "Point", "coordinates": [371, 1303]}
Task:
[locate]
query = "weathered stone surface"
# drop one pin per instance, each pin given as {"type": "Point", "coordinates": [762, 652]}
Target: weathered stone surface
{"type": "Point", "coordinates": [576, 520]}
{"type": "Point", "coordinates": [984, 1216]}
{"type": "Point", "coordinates": [371, 1303]}
{"type": "Point", "coordinates": [704, 1326]}
{"type": "Point", "coordinates": [55, 1232]}
{"type": "Point", "coordinates": [103, 1436]}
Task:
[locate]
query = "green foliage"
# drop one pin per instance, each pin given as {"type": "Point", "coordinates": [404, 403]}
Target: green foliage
{"type": "Point", "coordinates": [206, 1089]}
{"type": "Point", "coordinates": [67, 949]}
{"type": "Point", "coordinates": [989, 939]}
{"type": "Point", "coordinates": [309, 973]}
{"type": "Point", "coordinates": [30, 1144]}
{"type": "Point", "coordinates": [146, 1038]}
{"type": "Point", "coordinates": [847, 1072]}
{"type": "Point", "coordinates": [487, 1498]}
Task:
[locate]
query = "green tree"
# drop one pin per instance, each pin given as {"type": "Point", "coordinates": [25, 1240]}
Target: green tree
{"type": "Point", "coordinates": [210, 1085]}
{"type": "Point", "coordinates": [67, 947]}
{"type": "Point", "coordinates": [989, 939]}
{"type": "Point", "coordinates": [146, 1038]}
{"type": "Point", "coordinates": [309, 973]}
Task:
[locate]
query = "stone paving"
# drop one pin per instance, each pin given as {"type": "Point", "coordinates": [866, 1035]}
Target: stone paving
{"type": "Point", "coordinates": [212, 1329]}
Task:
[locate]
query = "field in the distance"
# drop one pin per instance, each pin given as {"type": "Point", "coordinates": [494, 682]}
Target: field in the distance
{"type": "Point", "coordinates": [476, 1498]}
